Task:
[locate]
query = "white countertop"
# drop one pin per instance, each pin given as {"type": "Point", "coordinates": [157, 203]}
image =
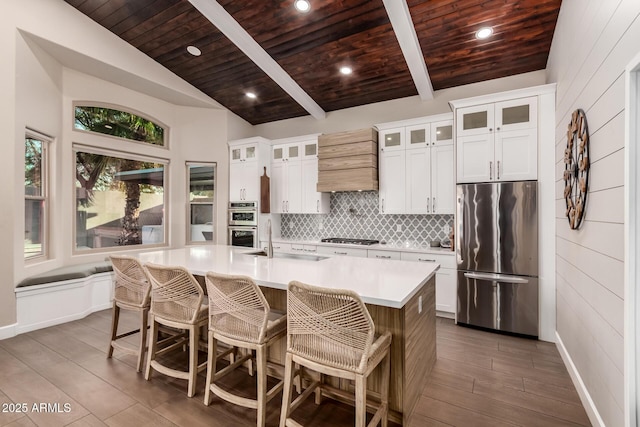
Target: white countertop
{"type": "Point", "coordinates": [390, 246]}
{"type": "Point", "coordinates": [387, 283]}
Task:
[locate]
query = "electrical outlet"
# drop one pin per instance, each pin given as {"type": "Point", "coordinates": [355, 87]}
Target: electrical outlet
{"type": "Point", "coordinates": [320, 226]}
{"type": "Point", "coordinates": [399, 228]}
{"type": "Point", "coordinates": [290, 225]}
{"type": "Point", "coordinates": [446, 229]}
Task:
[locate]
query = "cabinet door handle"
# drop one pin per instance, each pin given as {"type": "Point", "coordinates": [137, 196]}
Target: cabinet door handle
{"type": "Point", "coordinates": [434, 205]}
{"type": "Point", "coordinates": [428, 205]}
{"type": "Point", "coordinates": [490, 129]}
{"type": "Point", "coordinates": [283, 206]}
{"type": "Point", "coordinates": [498, 168]}
{"type": "Point", "coordinates": [382, 205]}
{"type": "Point", "coordinates": [490, 170]}
{"type": "Point", "coordinates": [426, 260]}
{"type": "Point", "coordinates": [317, 205]}
{"type": "Point", "coordinates": [383, 256]}
{"type": "Point", "coordinates": [287, 206]}
{"type": "Point", "coordinates": [498, 128]}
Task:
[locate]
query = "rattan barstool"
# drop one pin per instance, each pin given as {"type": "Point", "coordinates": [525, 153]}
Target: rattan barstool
{"type": "Point", "coordinates": [240, 316]}
{"type": "Point", "coordinates": [177, 302]}
{"type": "Point", "coordinates": [131, 292]}
{"type": "Point", "coordinates": [331, 332]}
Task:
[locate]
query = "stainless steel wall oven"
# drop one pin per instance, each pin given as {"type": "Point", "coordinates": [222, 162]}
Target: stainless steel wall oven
{"type": "Point", "coordinates": [243, 224]}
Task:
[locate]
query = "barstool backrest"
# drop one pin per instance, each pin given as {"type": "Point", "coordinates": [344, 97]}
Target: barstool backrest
{"type": "Point", "coordinates": [175, 293]}
{"type": "Point", "coordinates": [329, 326]}
{"type": "Point", "coordinates": [237, 307]}
{"type": "Point", "coordinates": [132, 286]}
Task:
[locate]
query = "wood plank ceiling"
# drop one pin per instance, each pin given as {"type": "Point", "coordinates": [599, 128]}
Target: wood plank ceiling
{"type": "Point", "coordinates": [312, 46]}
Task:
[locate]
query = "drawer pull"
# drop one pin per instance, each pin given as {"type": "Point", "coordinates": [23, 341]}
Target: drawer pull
{"type": "Point", "coordinates": [383, 256]}
{"type": "Point", "coordinates": [296, 249]}
{"type": "Point", "coordinates": [426, 260]}
{"type": "Point", "coordinates": [340, 253]}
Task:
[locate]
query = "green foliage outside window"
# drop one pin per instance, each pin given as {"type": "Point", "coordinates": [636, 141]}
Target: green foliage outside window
{"type": "Point", "coordinates": [117, 123]}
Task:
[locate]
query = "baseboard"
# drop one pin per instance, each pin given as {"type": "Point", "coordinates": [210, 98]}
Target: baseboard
{"type": "Point", "coordinates": [585, 397]}
{"type": "Point", "coordinates": [8, 331]}
{"type": "Point", "coordinates": [445, 314]}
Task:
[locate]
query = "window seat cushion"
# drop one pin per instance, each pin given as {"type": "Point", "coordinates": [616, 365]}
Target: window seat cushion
{"type": "Point", "coordinates": [71, 272]}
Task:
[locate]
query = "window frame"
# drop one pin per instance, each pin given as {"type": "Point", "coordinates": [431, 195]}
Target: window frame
{"type": "Point", "coordinates": [189, 203]}
{"type": "Point", "coordinates": [44, 197]}
{"type": "Point", "coordinates": [165, 136]}
{"type": "Point", "coordinates": [79, 147]}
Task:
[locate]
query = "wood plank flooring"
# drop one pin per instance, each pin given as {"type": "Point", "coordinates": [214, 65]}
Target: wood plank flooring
{"type": "Point", "coordinates": [480, 379]}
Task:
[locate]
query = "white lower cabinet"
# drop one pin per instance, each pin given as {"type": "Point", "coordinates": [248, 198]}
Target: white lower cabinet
{"type": "Point", "coordinates": [297, 247]}
{"type": "Point", "coordinates": [333, 250]}
{"type": "Point", "coordinates": [280, 247]}
{"type": "Point", "coordinates": [445, 278]}
{"type": "Point", "coordinates": [372, 253]}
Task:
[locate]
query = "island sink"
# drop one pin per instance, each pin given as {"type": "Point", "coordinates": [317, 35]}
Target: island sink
{"type": "Point", "coordinates": [286, 255]}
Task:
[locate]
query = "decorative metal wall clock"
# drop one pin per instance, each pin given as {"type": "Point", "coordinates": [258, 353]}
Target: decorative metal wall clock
{"type": "Point", "coordinates": [576, 168]}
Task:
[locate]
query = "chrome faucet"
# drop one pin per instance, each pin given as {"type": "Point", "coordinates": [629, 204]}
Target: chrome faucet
{"type": "Point", "coordinates": [270, 244]}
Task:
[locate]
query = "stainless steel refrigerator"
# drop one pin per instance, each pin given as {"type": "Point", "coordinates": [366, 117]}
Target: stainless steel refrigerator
{"type": "Point", "coordinates": [497, 256]}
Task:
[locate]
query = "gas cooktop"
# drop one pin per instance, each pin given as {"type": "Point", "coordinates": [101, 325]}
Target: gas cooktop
{"type": "Point", "coordinates": [363, 242]}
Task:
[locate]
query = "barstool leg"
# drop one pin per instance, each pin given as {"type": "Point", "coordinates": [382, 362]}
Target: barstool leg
{"type": "Point", "coordinates": [384, 388]}
{"type": "Point", "coordinates": [144, 318]}
{"type": "Point", "coordinates": [261, 361]}
{"type": "Point", "coordinates": [361, 401]}
{"type": "Point", "coordinates": [194, 335]}
{"type": "Point", "coordinates": [286, 390]}
{"type": "Point", "coordinates": [115, 317]}
{"type": "Point", "coordinates": [153, 344]}
{"type": "Point", "coordinates": [211, 367]}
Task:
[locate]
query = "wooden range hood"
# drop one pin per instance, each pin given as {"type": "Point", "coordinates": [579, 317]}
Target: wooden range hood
{"type": "Point", "coordinates": [348, 161]}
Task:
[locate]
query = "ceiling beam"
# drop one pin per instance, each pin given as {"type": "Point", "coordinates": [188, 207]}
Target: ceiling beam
{"type": "Point", "coordinates": [402, 24]}
{"type": "Point", "coordinates": [234, 32]}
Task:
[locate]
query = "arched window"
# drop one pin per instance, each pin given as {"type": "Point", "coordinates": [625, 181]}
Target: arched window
{"type": "Point", "coordinates": [118, 123]}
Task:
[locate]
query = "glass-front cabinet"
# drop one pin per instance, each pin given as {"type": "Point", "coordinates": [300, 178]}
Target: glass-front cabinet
{"type": "Point", "coordinates": [497, 141]}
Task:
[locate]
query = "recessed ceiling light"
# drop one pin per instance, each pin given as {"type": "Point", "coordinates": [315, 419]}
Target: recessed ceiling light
{"type": "Point", "coordinates": [484, 33]}
{"type": "Point", "coordinates": [302, 5]}
{"type": "Point", "coordinates": [194, 51]}
{"type": "Point", "coordinates": [251, 95]}
{"type": "Point", "coordinates": [346, 70]}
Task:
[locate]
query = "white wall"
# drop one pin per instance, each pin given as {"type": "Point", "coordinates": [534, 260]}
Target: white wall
{"type": "Point", "coordinates": [43, 44]}
{"type": "Point", "coordinates": [398, 109]}
{"type": "Point", "coordinates": [593, 42]}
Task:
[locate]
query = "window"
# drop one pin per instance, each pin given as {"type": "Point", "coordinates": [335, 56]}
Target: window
{"type": "Point", "coordinates": [119, 200]}
{"type": "Point", "coordinates": [35, 195]}
{"type": "Point", "coordinates": [201, 177]}
{"type": "Point", "coordinates": [118, 123]}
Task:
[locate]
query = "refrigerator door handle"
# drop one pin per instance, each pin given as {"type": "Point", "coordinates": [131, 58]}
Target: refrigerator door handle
{"type": "Point", "coordinates": [460, 228]}
{"type": "Point", "coordinates": [496, 277]}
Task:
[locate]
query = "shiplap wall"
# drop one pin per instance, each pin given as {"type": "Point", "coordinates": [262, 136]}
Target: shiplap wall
{"type": "Point", "coordinates": [593, 42]}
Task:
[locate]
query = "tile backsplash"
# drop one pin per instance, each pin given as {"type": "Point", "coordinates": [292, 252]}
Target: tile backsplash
{"type": "Point", "coordinates": [355, 215]}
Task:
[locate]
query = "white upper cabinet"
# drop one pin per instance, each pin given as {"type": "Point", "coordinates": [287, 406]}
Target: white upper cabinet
{"type": "Point", "coordinates": [497, 141]}
{"type": "Point", "coordinates": [247, 159]}
{"type": "Point", "coordinates": [294, 177]}
{"type": "Point", "coordinates": [391, 169]}
{"type": "Point", "coordinates": [312, 200]}
{"type": "Point", "coordinates": [417, 136]}
{"type": "Point", "coordinates": [286, 171]}
{"type": "Point", "coordinates": [391, 140]}
{"type": "Point", "coordinates": [416, 166]}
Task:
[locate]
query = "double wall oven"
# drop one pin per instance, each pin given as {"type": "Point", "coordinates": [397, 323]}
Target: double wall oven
{"type": "Point", "coordinates": [243, 224]}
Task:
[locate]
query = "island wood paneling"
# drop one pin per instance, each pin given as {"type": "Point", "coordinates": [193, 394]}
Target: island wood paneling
{"type": "Point", "coordinates": [590, 260]}
{"type": "Point", "coordinates": [413, 348]}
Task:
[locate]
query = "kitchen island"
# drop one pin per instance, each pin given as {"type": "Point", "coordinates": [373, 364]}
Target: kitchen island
{"type": "Point", "coordinates": [400, 296]}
